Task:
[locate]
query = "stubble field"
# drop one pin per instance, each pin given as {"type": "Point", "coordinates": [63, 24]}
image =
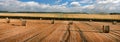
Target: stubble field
{"type": "Point", "coordinates": [60, 15]}
{"type": "Point", "coordinates": [60, 31]}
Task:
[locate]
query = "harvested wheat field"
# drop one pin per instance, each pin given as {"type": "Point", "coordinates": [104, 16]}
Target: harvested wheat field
{"type": "Point", "coordinates": [59, 31]}
{"type": "Point", "coordinates": [59, 15]}
{"type": "Point", "coordinates": [59, 20]}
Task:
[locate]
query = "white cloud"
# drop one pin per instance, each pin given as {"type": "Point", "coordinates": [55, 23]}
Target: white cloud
{"type": "Point", "coordinates": [64, 4]}
{"type": "Point", "coordinates": [32, 3]}
{"type": "Point", "coordinates": [75, 4]}
{"type": "Point", "coordinates": [108, 6]}
{"type": "Point", "coordinates": [105, 6]}
{"type": "Point", "coordinates": [89, 6]}
{"type": "Point", "coordinates": [29, 6]}
{"type": "Point", "coordinates": [86, 1]}
{"type": "Point", "coordinates": [109, 1]}
{"type": "Point", "coordinates": [58, 1]}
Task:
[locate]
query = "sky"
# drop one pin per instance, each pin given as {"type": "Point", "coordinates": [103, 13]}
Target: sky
{"type": "Point", "coordinates": [88, 6]}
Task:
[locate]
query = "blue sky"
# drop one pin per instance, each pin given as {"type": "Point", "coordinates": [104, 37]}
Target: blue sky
{"type": "Point", "coordinates": [88, 6]}
{"type": "Point", "coordinates": [51, 2]}
{"type": "Point", "coordinates": [54, 2]}
{"type": "Point", "coordinates": [41, 1]}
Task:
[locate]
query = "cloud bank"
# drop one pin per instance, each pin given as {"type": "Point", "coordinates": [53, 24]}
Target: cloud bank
{"type": "Point", "coordinates": [88, 6]}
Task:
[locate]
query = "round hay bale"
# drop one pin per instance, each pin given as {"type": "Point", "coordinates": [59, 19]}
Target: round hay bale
{"type": "Point", "coordinates": [40, 18]}
{"type": "Point", "coordinates": [21, 19]}
{"type": "Point", "coordinates": [53, 21]}
{"type": "Point", "coordinates": [114, 22]}
{"type": "Point", "coordinates": [71, 22]}
{"type": "Point", "coordinates": [8, 20]}
{"type": "Point", "coordinates": [24, 22]}
{"type": "Point", "coordinates": [90, 20]}
{"type": "Point", "coordinates": [106, 29]}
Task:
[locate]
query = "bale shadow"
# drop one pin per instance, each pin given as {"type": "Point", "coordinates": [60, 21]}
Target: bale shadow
{"type": "Point", "coordinates": [15, 25]}
{"type": "Point", "coordinates": [94, 31]}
